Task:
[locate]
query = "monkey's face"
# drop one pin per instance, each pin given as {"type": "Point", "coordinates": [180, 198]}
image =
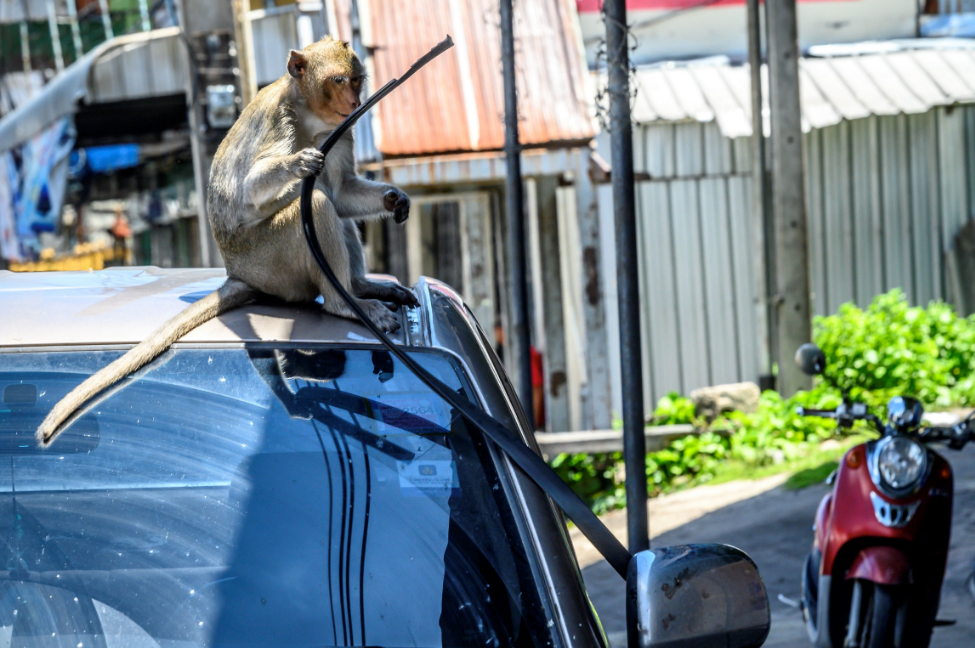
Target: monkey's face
{"type": "Point", "coordinates": [330, 77]}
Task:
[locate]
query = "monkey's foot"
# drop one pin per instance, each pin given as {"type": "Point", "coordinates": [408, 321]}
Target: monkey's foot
{"type": "Point", "coordinates": [380, 315]}
{"type": "Point", "coordinates": [388, 291]}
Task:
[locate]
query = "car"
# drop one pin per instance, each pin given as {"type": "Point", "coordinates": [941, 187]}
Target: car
{"type": "Point", "coordinates": [279, 478]}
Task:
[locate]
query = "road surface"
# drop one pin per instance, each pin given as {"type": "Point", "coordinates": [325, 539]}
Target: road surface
{"type": "Point", "coordinates": [775, 528]}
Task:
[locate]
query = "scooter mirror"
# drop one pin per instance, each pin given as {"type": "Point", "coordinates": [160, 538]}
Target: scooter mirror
{"type": "Point", "coordinates": [811, 359]}
{"type": "Point", "coordinates": [695, 595]}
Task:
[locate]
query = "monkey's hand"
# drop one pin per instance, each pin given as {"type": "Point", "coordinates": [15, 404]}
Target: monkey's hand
{"type": "Point", "coordinates": [308, 162]}
{"type": "Point", "coordinates": [397, 202]}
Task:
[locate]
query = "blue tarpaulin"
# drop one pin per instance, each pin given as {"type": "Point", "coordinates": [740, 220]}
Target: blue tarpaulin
{"type": "Point", "coordinates": [105, 159]}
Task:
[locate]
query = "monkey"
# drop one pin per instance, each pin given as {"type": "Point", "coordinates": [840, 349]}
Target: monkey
{"type": "Point", "coordinates": [254, 212]}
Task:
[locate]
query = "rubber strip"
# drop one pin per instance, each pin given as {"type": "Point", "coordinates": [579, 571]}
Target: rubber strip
{"type": "Point", "coordinates": [537, 470]}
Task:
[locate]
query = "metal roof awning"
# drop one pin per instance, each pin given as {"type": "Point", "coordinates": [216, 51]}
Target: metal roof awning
{"type": "Point", "coordinates": [456, 105]}
{"type": "Point", "coordinates": [135, 66]}
{"type": "Point", "coordinates": [836, 83]}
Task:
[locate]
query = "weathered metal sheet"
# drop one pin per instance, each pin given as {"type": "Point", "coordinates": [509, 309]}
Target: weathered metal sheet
{"type": "Point", "coordinates": [947, 80]}
{"type": "Point", "coordinates": [962, 62]}
{"type": "Point", "coordinates": [663, 100]}
{"type": "Point", "coordinates": [895, 185]}
{"type": "Point", "coordinates": [639, 150]}
{"type": "Point", "coordinates": [812, 162]}
{"type": "Point", "coordinates": [689, 149]}
{"type": "Point", "coordinates": [691, 303]}
{"type": "Point", "coordinates": [837, 190]}
{"type": "Point", "coordinates": [892, 85]}
{"type": "Point", "coordinates": [831, 89]}
{"type": "Point", "coordinates": [274, 34]}
{"type": "Point", "coordinates": [455, 104]}
{"type": "Point", "coordinates": [593, 296]}
{"type": "Point", "coordinates": [817, 112]}
{"type": "Point", "coordinates": [969, 112]}
{"type": "Point", "coordinates": [719, 285]}
{"type": "Point", "coordinates": [739, 82]}
{"type": "Point", "coordinates": [867, 218]}
{"type": "Point", "coordinates": [607, 265]}
{"type": "Point", "coordinates": [732, 118]}
{"type": "Point", "coordinates": [831, 85]}
{"type": "Point", "coordinates": [742, 150]}
{"type": "Point", "coordinates": [862, 86]}
{"type": "Point", "coordinates": [661, 324]}
{"type": "Point", "coordinates": [647, 318]}
{"type": "Point", "coordinates": [718, 155]}
{"type": "Point", "coordinates": [747, 265]}
{"type": "Point", "coordinates": [915, 78]}
{"type": "Point", "coordinates": [952, 173]}
{"type": "Point", "coordinates": [925, 206]}
{"type": "Point", "coordinates": [660, 150]}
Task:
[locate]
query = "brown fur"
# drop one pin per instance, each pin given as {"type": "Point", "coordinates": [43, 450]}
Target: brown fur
{"type": "Point", "coordinates": [252, 203]}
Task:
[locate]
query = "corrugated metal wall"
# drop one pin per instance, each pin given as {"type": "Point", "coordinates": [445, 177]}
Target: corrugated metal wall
{"type": "Point", "coordinates": [885, 197]}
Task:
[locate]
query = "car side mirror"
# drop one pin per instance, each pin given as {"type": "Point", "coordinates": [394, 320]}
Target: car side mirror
{"type": "Point", "coordinates": [695, 595]}
{"type": "Point", "coordinates": [811, 359]}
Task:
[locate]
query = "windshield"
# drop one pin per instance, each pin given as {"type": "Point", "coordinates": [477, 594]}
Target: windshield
{"type": "Point", "coordinates": [255, 497]}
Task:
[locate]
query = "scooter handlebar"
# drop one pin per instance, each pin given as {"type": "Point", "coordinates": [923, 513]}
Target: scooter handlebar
{"type": "Point", "coordinates": [956, 435]}
{"type": "Point", "coordinates": [804, 411]}
{"type": "Point", "coordinates": [844, 415]}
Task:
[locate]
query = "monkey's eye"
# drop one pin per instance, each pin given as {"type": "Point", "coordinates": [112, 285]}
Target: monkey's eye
{"type": "Point", "coordinates": [338, 80]}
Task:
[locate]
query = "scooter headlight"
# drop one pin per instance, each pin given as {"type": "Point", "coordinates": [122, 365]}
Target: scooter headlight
{"type": "Point", "coordinates": [901, 462]}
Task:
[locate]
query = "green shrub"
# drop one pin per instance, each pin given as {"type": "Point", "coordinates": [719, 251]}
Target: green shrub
{"type": "Point", "coordinates": [888, 349]}
{"type": "Point", "coordinates": [893, 348]}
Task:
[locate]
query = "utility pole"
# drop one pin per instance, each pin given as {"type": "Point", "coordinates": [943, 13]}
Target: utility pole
{"type": "Point", "coordinates": [627, 282]}
{"type": "Point", "coordinates": [519, 344]}
{"type": "Point", "coordinates": [763, 228]}
{"type": "Point", "coordinates": [793, 316]}
{"type": "Point", "coordinates": [207, 27]}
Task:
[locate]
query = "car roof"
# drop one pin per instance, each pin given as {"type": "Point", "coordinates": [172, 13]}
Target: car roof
{"type": "Point", "coordinates": [121, 306]}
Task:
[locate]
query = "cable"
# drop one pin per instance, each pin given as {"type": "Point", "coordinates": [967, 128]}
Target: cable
{"type": "Point", "coordinates": [533, 465]}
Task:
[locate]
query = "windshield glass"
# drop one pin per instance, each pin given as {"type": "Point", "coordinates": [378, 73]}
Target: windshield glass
{"type": "Point", "coordinates": [255, 497]}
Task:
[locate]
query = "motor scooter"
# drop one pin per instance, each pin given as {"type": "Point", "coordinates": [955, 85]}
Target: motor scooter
{"type": "Point", "coordinates": [873, 577]}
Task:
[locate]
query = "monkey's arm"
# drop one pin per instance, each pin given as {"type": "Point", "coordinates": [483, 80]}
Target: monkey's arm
{"type": "Point", "coordinates": [361, 199]}
{"type": "Point", "coordinates": [271, 176]}
{"type": "Point", "coordinates": [358, 198]}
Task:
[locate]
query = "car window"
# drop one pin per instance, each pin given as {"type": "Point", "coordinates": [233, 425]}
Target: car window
{"type": "Point", "coordinates": [297, 497]}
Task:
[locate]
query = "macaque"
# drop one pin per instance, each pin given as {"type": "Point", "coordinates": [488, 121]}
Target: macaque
{"type": "Point", "coordinates": [253, 206]}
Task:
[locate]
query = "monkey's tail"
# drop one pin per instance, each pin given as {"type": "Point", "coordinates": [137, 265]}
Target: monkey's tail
{"type": "Point", "coordinates": [230, 295]}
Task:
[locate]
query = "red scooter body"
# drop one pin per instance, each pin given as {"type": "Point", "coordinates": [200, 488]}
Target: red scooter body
{"type": "Point", "coordinates": [846, 517]}
{"type": "Point", "coordinates": [852, 542]}
{"type": "Point", "coordinates": [873, 577]}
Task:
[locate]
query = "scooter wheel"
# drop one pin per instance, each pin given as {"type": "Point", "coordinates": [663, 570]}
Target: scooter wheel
{"type": "Point", "coordinates": [880, 606]}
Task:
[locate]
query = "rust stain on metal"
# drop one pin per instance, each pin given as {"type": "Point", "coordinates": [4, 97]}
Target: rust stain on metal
{"type": "Point", "coordinates": [434, 114]}
{"type": "Point", "coordinates": [590, 264]}
{"type": "Point", "coordinates": [556, 382]}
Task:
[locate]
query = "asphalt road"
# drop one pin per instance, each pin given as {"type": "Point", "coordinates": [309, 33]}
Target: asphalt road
{"type": "Point", "coordinates": [775, 528]}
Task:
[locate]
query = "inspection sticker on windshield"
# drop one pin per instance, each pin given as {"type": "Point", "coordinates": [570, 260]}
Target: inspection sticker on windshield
{"type": "Point", "coordinates": [427, 477]}
{"type": "Point", "coordinates": [414, 413]}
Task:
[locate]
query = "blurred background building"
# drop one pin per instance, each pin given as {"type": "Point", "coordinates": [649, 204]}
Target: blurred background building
{"type": "Point", "coordinates": [112, 109]}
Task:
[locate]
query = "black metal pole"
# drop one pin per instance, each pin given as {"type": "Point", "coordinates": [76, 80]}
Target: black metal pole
{"type": "Point", "coordinates": [621, 140]}
{"type": "Point", "coordinates": [519, 346]}
{"type": "Point", "coordinates": [760, 195]}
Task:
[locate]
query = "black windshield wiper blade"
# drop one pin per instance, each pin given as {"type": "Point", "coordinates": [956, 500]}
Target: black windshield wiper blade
{"type": "Point", "coordinates": [534, 466]}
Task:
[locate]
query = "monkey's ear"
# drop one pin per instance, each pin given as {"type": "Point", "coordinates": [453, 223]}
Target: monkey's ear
{"type": "Point", "coordinates": [297, 64]}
